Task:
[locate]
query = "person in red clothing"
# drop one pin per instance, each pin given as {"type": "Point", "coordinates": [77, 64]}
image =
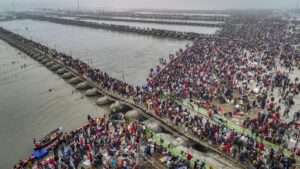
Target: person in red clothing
{"type": "Point", "coordinates": [189, 156]}
{"type": "Point", "coordinates": [90, 156]}
{"type": "Point", "coordinates": [227, 148]}
{"type": "Point", "coordinates": [260, 147]}
{"type": "Point", "coordinates": [209, 114]}
{"type": "Point", "coordinates": [297, 151]}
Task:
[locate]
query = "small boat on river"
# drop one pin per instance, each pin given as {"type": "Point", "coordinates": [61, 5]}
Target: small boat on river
{"type": "Point", "coordinates": [48, 140]}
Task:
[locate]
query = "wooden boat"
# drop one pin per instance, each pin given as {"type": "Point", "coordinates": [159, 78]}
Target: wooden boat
{"type": "Point", "coordinates": [49, 139]}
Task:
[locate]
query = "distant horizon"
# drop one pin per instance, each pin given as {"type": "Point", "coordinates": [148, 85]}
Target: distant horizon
{"type": "Point", "coordinates": [182, 10]}
{"type": "Point", "coordinates": [217, 5]}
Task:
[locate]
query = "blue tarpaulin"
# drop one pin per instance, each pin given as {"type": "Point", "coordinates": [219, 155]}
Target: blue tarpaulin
{"type": "Point", "coordinates": [39, 154]}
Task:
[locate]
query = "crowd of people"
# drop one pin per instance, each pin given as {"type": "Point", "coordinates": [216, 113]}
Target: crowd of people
{"type": "Point", "coordinates": [206, 71]}
{"type": "Point", "coordinates": [253, 72]}
{"type": "Point", "coordinates": [109, 143]}
{"type": "Point", "coordinates": [251, 67]}
{"type": "Point", "coordinates": [99, 144]}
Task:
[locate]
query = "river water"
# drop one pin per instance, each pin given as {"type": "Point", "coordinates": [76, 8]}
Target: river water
{"type": "Point", "coordinates": [125, 56]}
{"type": "Point", "coordinates": [29, 110]}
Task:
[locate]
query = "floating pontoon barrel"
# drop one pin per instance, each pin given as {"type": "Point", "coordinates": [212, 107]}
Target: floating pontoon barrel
{"type": "Point", "coordinates": [103, 100]}
{"type": "Point", "coordinates": [117, 116]}
{"type": "Point", "coordinates": [75, 80]}
{"type": "Point", "coordinates": [45, 60]}
{"type": "Point", "coordinates": [49, 63]}
{"type": "Point", "coordinates": [55, 67]}
{"type": "Point", "coordinates": [61, 71]}
{"type": "Point", "coordinates": [82, 85]}
{"type": "Point", "coordinates": [91, 92]}
{"type": "Point", "coordinates": [152, 125]}
{"type": "Point", "coordinates": [117, 106]}
{"type": "Point", "coordinates": [67, 75]}
{"type": "Point", "coordinates": [40, 58]}
{"type": "Point", "coordinates": [132, 114]}
{"type": "Point", "coordinates": [34, 55]}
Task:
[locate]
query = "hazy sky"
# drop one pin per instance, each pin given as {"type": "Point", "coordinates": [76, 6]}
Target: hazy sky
{"type": "Point", "coordinates": [126, 4]}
